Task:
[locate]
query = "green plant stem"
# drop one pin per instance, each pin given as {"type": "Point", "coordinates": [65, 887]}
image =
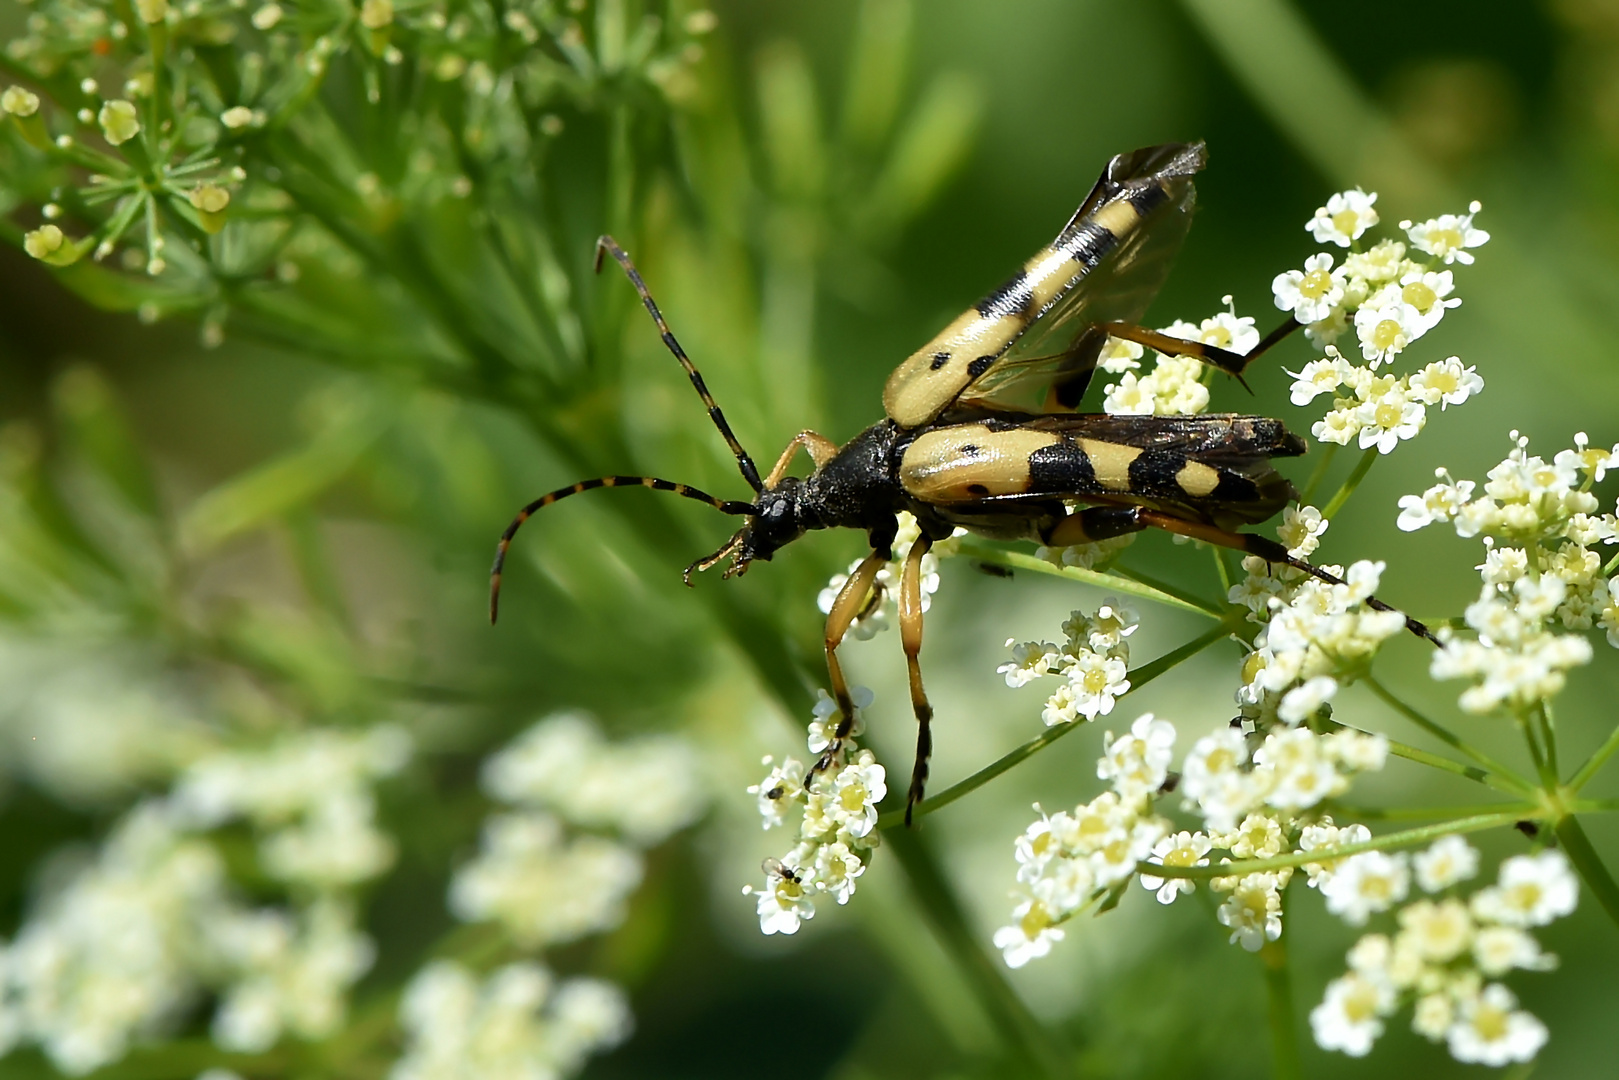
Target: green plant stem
{"type": "Point", "coordinates": [1319, 474]}
{"type": "Point", "coordinates": [989, 553]}
{"type": "Point", "coordinates": [1548, 735]}
{"type": "Point", "coordinates": [1221, 570]}
{"type": "Point", "coordinates": [1542, 767]}
{"type": "Point", "coordinates": [1506, 779]}
{"type": "Point", "coordinates": [1577, 846]}
{"type": "Point", "coordinates": [1423, 757]}
{"type": "Point", "coordinates": [1244, 867]}
{"type": "Point", "coordinates": [1595, 806]}
{"type": "Point", "coordinates": [1352, 482]}
{"type": "Point", "coordinates": [1184, 595]}
{"type": "Point", "coordinates": [1023, 1034]}
{"type": "Point", "coordinates": [1284, 1036]}
{"type": "Point", "coordinates": [1583, 774]}
{"type": "Point", "coordinates": [1138, 678]}
{"type": "Point", "coordinates": [1420, 813]}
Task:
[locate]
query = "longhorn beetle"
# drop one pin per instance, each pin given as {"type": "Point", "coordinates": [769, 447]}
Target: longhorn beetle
{"type": "Point", "coordinates": [980, 430]}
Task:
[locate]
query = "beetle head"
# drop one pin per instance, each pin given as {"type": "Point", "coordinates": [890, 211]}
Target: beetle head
{"type": "Point", "coordinates": [779, 517]}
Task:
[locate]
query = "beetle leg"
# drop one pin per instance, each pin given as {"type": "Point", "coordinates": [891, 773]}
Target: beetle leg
{"type": "Point", "coordinates": [910, 635]}
{"type": "Point", "coordinates": [850, 600]}
{"type": "Point", "coordinates": [1224, 359]}
{"type": "Point", "coordinates": [1094, 523]}
{"type": "Point", "coordinates": [1270, 551]}
{"type": "Point", "coordinates": [821, 450]}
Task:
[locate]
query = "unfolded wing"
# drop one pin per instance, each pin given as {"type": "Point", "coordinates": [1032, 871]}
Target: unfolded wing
{"type": "Point", "coordinates": [1124, 233]}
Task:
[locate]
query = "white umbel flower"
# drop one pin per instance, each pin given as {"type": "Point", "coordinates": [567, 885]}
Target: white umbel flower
{"type": "Point", "coordinates": [1347, 215]}
{"type": "Point", "coordinates": [1349, 1018]}
{"type": "Point", "coordinates": [1492, 1030]}
{"type": "Point", "coordinates": [1367, 883]}
{"type": "Point", "coordinates": [1532, 890]}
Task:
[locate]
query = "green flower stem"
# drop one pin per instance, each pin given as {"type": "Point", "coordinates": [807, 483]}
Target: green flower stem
{"type": "Point", "coordinates": [1018, 560]}
{"type": "Point", "coordinates": [1583, 775]}
{"type": "Point", "coordinates": [1284, 1032]}
{"type": "Point", "coordinates": [1594, 806]}
{"type": "Point", "coordinates": [1434, 761]}
{"type": "Point", "coordinates": [1542, 767]}
{"type": "Point", "coordinates": [1612, 565]}
{"type": "Point", "coordinates": [1577, 846]}
{"type": "Point", "coordinates": [1216, 608]}
{"type": "Point", "coordinates": [1244, 867]}
{"type": "Point", "coordinates": [1221, 569]}
{"type": "Point", "coordinates": [1418, 813]}
{"type": "Point", "coordinates": [1139, 677]}
{"type": "Point", "coordinates": [1319, 474]}
{"type": "Point", "coordinates": [1503, 778]}
{"type": "Point", "coordinates": [1548, 735]}
{"type": "Point", "coordinates": [1350, 484]}
{"type": "Point", "coordinates": [1022, 1033]}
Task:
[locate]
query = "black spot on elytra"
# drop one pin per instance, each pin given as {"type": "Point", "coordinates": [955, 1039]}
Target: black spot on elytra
{"type": "Point", "coordinates": [969, 450]}
{"type": "Point", "coordinates": [977, 489]}
{"type": "Point", "coordinates": [979, 366]}
{"type": "Point", "coordinates": [940, 359]}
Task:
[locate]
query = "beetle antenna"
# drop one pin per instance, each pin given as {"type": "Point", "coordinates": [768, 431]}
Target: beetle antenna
{"type": "Point", "coordinates": [607, 245]}
{"type": "Point", "coordinates": [724, 506]}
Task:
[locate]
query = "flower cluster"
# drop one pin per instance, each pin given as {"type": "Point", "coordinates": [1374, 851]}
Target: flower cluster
{"type": "Point", "coordinates": [837, 830]}
{"type": "Point", "coordinates": [1093, 662]}
{"type": "Point", "coordinates": [517, 1021]}
{"type": "Point", "coordinates": [1175, 386]}
{"type": "Point", "coordinates": [1539, 575]}
{"type": "Point", "coordinates": [1444, 951]}
{"type": "Point", "coordinates": [1391, 300]}
{"type": "Point", "coordinates": [1067, 861]}
{"type": "Point", "coordinates": [878, 611]}
{"type": "Point", "coordinates": [1316, 636]}
{"type": "Point", "coordinates": [544, 886]}
{"type": "Point", "coordinates": [310, 798]}
{"type": "Point", "coordinates": [120, 950]}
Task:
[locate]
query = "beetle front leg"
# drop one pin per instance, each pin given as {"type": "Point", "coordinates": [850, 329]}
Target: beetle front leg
{"type": "Point", "coordinates": [850, 600]}
{"type": "Point", "coordinates": [910, 635]}
{"type": "Point", "coordinates": [821, 450]}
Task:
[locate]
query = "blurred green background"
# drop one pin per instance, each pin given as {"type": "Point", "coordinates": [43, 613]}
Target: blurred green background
{"type": "Point", "coordinates": [796, 292]}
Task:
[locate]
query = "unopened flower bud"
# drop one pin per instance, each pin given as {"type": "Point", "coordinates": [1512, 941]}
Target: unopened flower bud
{"type": "Point", "coordinates": [43, 241]}
{"type": "Point", "coordinates": [19, 102]}
{"type": "Point", "coordinates": [119, 121]}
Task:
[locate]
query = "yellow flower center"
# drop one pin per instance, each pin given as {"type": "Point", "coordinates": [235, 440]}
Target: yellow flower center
{"type": "Point", "coordinates": [1361, 1004]}
{"type": "Point", "coordinates": [1385, 334]}
{"type": "Point", "coordinates": [1181, 856]}
{"type": "Point", "coordinates": [1345, 221]}
{"type": "Point", "coordinates": [1042, 844]}
{"type": "Point", "coordinates": [1388, 415]}
{"type": "Point", "coordinates": [853, 797]}
{"type": "Point", "coordinates": [1490, 1023]}
{"type": "Point", "coordinates": [1419, 296]}
{"type": "Point", "coordinates": [1316, 284]}
{"type": "Point", "coordinates": [1036, 920]}
{"type": "Point", "coordinates": [1095, 680]}
{"type": "Point", "coordinates": [1445, 239]}
{"type": "Point", "coordinates": [1524, 897]}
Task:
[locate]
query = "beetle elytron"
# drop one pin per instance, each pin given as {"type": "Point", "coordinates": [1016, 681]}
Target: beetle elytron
{"type": "Point", "coordinates": [980, 430]}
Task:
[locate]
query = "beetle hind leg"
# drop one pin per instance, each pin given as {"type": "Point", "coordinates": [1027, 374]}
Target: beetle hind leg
{"type": "Point", "coordinates": [1270, 551]}
{"type": "Point", "coordinates": [910, 631]}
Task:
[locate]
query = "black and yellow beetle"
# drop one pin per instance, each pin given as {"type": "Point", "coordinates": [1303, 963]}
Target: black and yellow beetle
{"type": "Point", "coordinates": [980, 430]}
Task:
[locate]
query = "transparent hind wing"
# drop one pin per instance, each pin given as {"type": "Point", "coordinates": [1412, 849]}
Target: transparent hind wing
{"type": "Point", "coordinates": [1061, 348]}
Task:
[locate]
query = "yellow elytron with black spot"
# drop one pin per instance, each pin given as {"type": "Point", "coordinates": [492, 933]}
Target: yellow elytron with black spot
{"type": "Point", "coordinates": [980, 430]}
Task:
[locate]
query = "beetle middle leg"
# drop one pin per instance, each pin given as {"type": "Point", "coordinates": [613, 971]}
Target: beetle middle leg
{"type": "Point", "coordinates": [1230, 362]}
{"type": "Point", "coordinates": [851, 600]}
{"type": "Point", "coordinates": [910, 634]}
